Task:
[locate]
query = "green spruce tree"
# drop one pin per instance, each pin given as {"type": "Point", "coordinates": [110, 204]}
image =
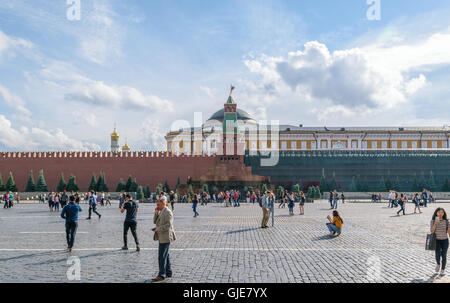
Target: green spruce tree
{"type": "Point", "coordinates": [446, 186]}
{"type": "Point", "coordinates": [323, 182]}
{"type": "Point", "coordinates": [134, 186]}
{"type": "Point", "coordinates": [2, 185]}
{"type": "Point", "coordinates": [41, 185]}
{"type": "Point", "coordinates": [333, 183]}
{"type": "Point", "coordinates": [120, 186]}
{"type": "Point", "coordinates": [31, 186]}
{"type": "Point", "coordinates": [140, 194]}
{"type": "Point", "coordinates": [128, 184]}
{"type": "Point", "coordinates": [431, 182]}
{"type": "Point", "coordinates": [11, 184]}
{"type": "Point", "coordinates": [93, 184]}
{"type": "Point", "coordinates": [353, 186]}
{"type": "Point", "coordinates": [62, 185]}
{"type": "Point", "coordinates": [72, 184]}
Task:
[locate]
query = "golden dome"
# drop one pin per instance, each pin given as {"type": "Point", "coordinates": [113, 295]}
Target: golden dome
{"type": "Point", "coordinates": [115, 135]}
{"type": "Point", "coordinates": [126, 147]}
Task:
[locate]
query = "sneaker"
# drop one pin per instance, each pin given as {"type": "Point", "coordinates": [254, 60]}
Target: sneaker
{"type": "Point", "coordinates": [99, 216]}
{"type": "Point", "coordinates": [124, 248]}
{"type": "Point", "coordinates": [338, 234]}
{"type": "Point", "coordinates": [438, 268]}
{"type": "Point", "coordinates": [138, 248]}
{"type": "Point", "coordinates": [442, 272]}
{"type": "Point", "coordinates": [88, 218]}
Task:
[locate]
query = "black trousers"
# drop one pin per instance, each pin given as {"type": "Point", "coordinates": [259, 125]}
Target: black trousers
{"type": "Point", "coordinates": [133, 226]}
{"type": "Point", "coordinates": [71, 230]}
{"type": "Point", "coordinates": [93, 209]}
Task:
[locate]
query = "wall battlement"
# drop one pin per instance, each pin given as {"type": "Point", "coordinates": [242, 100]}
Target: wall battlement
{"type": "Point", "coordinates": [99, 154]}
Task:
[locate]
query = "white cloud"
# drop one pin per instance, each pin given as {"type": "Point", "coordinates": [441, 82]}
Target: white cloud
{"type": "Point", "coordinates": [100, 39]}
{"type": "Point", "coordinates": [79, 88]}
{"type": "Point", "coordinates": [370, 77]}
{"type": "Point", "coordinates": [15, 102]}
{"type": "Point", "coordinates": [10, 44]}
{"type": "Point", "coordinates": [118, 97]}
{"type": "Point", "coordinates": [153, 134]}
{"type": "Point", "coordinates": [36, 139]}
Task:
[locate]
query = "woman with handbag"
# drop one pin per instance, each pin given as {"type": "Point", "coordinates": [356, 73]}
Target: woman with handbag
{"type": "Point", "coordinates": [439, 227]}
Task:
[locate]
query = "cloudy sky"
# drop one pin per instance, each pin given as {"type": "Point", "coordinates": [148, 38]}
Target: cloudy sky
{"type": "Point", "coordinates": [145, 64]}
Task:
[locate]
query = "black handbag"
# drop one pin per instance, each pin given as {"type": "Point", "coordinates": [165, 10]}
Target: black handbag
{"type": "Point", "coordinates": [431, 242]}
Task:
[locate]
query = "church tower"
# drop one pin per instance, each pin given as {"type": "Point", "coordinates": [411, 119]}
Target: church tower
{"type": "Point", "coordinates": [115, 141]}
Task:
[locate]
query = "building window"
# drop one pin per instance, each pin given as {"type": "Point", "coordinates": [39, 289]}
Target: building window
{"type": "Point", "coordinates": [213, 144]}
{"type": "Point", "coordinates": [374, 144]}
{"type": "Point", "coordinates": [364, 145]}
{"type": "Point", "coordinates": [283, 145]}
{"type": "Point", "coordinates": [324, 144]}
{"type": "Point", "coordinates": [384, 145]}
{"type": "Point", "coordinates": [404, 145]}
{"type": "Point", "coordinates": [434, 144]}
{"type": "Point", "coordinates": [263, 144]}
{"type": "Point", "coordinates": [354, 144]}
{"type": "Point", "coordinates": [304, 146]}
{"type": "Point", "coordinates": [414, 144]}
{"type": "Point", "coordinates": [313, 145]}
{"type": "Point", "coordinates": [444, 144]}
{"type": "Point", "coordinates": [254, 145]}
{"type": "Point", "coordinates": [424, 144]}
{"type": "Point", "coordinates": [338, 145]}
{"type": "Point", "coordinates": [294, 145]}
{"type": "Point", "coordinates": [394, 144]}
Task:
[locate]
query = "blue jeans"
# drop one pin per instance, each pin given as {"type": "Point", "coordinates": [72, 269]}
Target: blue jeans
{"type": "Point", "coordinates": [332, 227]}
{"type": "Point", "coordinates": [335, 203]}
{"type": "Point", "coordinates": [71, 230]}
{"type": "Point", "coordinates": [425, 201]}
{"type": "Point", "coordinates": [441, 252]}
{"type": "Point", "coordinates": [194, 207]}
{"type": "Point", "coordinates": [164, 260]}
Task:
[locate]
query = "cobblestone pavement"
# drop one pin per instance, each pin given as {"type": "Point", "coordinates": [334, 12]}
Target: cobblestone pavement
{"type": "Point", "coordinates": [223, 245]}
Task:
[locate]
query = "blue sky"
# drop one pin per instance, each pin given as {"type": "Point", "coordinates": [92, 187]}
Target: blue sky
{"type": "Point", "coordinates": [146, 64]}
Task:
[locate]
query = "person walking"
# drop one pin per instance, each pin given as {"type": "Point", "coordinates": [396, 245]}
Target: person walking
{"type": "Point", "coordinates": [70, 214]}
{"type": "Point", "coordinates": [416, 201]}
{"type": "Point", "coordinates": [132, 208]}
{"type": "Point", "coordinates": [425, 197]}
{"type": "Point", "coordinates": [121, 198]}
{"type": "Point", "coordinates": [194, 205]}
{"type": "Point", "coordinates": [56, 201]}
{"type": "Point", "coordinates": [335, 199]}
{"type": "Point", "coordinates": [402, 204]}
{"type": "Point", "coordinates": [342, 198]}
{"type": "Point", "coordinates": [330, 199]}
{"type": "Point", "coordinates": [172, 200]}
{"type": "Point", "coordinates": [291, 204]}
{"type": "Point", "coordinates": [302, 203]}
{"type": "Point", "coordinates": [93, 205]}
{"type": "Point", "coordinates": [64, 198]}
{"type": "Point", "coordinates": [265, 208]}
{"type": "Point", "coordinates": [335, 224]}
{"type": "Point", "coordinates": [439, 227]}
{"type": "Point", "coordinates": [164, 232]}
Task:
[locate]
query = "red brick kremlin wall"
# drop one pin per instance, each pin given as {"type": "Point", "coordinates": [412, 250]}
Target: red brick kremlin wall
{"type": "Point", "coordinates": [149, 168]}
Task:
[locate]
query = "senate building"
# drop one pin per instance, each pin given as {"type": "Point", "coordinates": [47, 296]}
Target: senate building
{"type": "Point", "coordinates": [257, 137]}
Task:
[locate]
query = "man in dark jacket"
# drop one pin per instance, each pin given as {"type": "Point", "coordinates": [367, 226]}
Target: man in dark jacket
{"type": "Point", "coordinates": [70, 213]}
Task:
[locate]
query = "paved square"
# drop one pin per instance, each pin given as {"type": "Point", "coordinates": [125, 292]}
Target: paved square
{"type": "Point", "coordinates": [223, 245]}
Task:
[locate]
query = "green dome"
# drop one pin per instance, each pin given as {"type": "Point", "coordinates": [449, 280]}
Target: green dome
{"type": "Point", "coordinates": [241, 115]}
